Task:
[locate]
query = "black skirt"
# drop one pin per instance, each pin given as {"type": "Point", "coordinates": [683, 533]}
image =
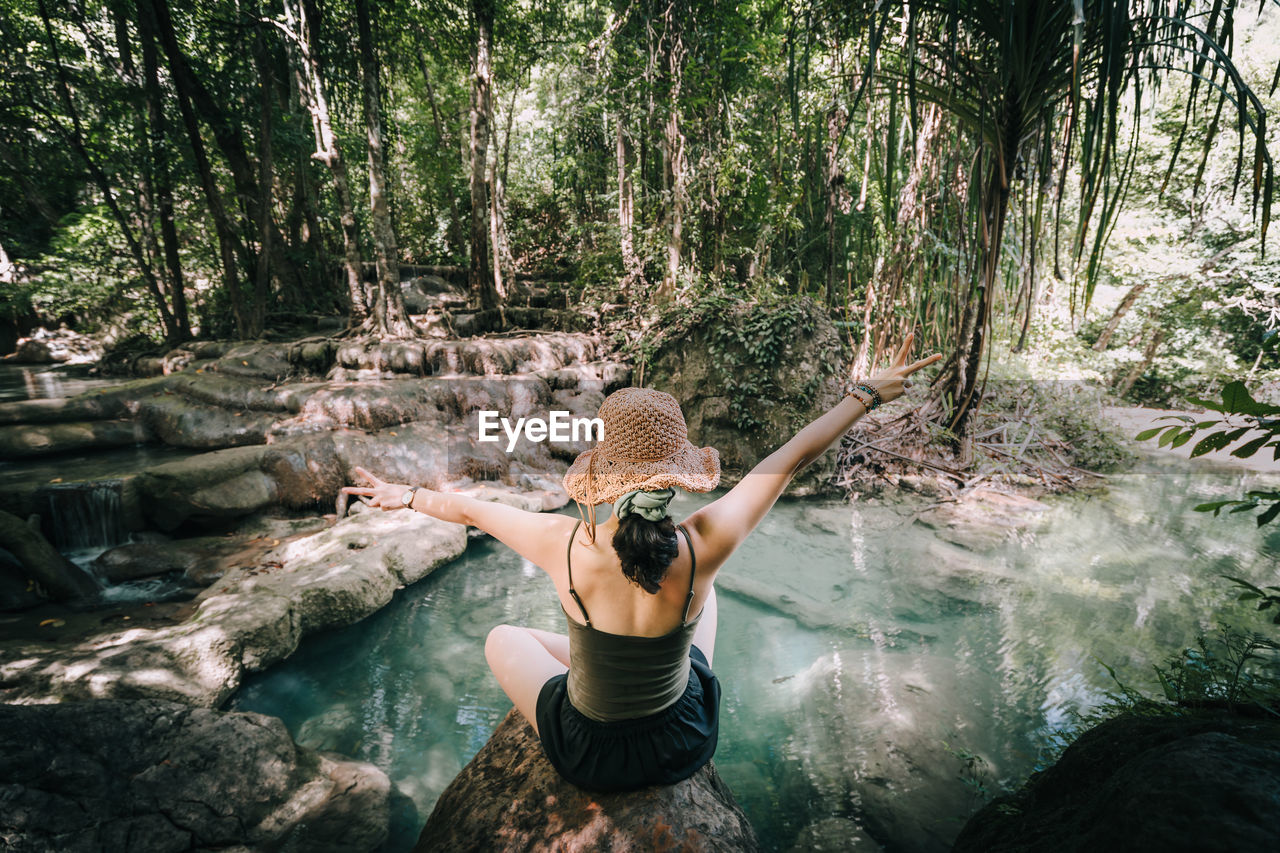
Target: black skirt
{"type": "Point", "coordinates": [660, 749]}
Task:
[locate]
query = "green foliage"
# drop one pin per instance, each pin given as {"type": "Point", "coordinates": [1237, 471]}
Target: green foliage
{"type": "Point", "coordinates": [1245, 417]}
{"type": "Point", "coordinates": [1233, 667]}
{"type": "Point", "coordinates": [747, 341]}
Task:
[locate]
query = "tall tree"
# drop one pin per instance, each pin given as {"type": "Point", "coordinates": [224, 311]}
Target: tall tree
{"type": "Point", "coordinates": [1028, 79]}
{"type": "Point", "coordinates": [304, 27]}
{"type": "Point", "coordinates": [389, 314]}
{"type": "Point", "coordinates": [480, 277]}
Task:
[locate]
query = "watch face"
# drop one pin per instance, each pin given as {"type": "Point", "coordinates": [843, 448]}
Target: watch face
{"type": "Point", "coordinates": [407, 498]}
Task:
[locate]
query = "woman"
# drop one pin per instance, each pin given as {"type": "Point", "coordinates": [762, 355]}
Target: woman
{"type": "Point", "coordinates": [628, 698]}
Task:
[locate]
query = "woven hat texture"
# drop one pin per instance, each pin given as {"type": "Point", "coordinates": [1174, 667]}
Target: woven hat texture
{"type": "Point", "coordinates": [645, 446]}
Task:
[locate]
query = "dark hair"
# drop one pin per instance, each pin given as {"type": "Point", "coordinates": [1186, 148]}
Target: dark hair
{"type": "Point", "coordinates": [646, 549]}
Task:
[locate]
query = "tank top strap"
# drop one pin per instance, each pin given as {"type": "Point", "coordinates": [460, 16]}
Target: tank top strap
{"type": "Point", "coordinates": [693, 570]}
{"type": "Point", "coordinates": [568, 559]}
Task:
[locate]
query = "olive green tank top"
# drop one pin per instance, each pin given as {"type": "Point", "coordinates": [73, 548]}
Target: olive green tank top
{"type": "Point", "coordinates": [620, 677]}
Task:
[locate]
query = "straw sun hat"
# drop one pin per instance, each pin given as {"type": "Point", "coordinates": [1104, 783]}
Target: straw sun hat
{"type": "Point", "coordinates": [645, 446]}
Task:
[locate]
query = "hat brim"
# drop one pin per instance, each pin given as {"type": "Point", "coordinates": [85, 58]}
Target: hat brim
{"type": "Point", "coordinates": [694, 469]}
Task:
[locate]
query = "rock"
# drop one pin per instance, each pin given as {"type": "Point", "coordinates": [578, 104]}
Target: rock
{"type": "Point", "coordinates": [148, 776]}
{"type": "Point", "coordinates": [181, 422]}
{"type": "Point", "coordinates": [982, 519]}
{"type": "Point", "coordinates": [717, 386]}
{"type": "Point", "coordinates": [40, 562]}
{"type": "Point", "coordinates": [834, 835]}
{"type": "Point", "coordinates": [1203, 781]}
{"type": "Point", "coordinates": [510, 798]}
{"type": "Point", "coordinates": [196, 487]}
{"type": "Point", "coordinates": [59, 346]}
{"type": "Point", "coordinates": [245, 622]}
{"type": "Point", "coordinates": [200, 559]}
{"type": "Point", "coordinates": [17, 591]}
{"type": "Point", "coordinates": [117, 401]}
{"type": "Point", "coordinates": [258, 360]}
{"type": "Point", "coordinates": [881, 743]}
{"type": "Point", "coordinates": [26, 440]}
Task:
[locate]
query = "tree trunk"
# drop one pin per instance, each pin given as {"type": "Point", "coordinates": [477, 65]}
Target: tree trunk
{"type": "Point", "coordinates": [262, 279]}
{"type": "Point", "coordinates": [304, 19]}
{"type": "Point", "coordinates": [1127, 303]}
{"type": "Point", "coordinates": [390, 317]}
{"type": "Point", "coordinates": [226, 133]}
{"type": "Point", "coordinates": [502, 260]}
{"type": "Point", "coordinates": [1148, 356]}
{"type": "Point", "coordinates": [633, 273]}
{"type": "Point", "coordinates": [160, 170]}
{"type": "Point", "coordinates": [149, 20]}
{"type": "Point", "coordinates": [967, 356]}
{"type": "Point", "coordinates": [833, 183]}
{"type": "Point", "coordinates": [103, 183]}
{"type": "Point", "coordinates": [480, 277]}
{"type": "Point", "coordinates": [675, 165]}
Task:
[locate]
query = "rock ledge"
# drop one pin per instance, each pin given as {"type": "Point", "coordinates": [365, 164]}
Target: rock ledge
{"type": "Point", "coordinates": [510, 798]}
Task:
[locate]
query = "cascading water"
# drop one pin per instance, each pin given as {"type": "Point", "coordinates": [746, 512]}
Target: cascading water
{"type": "Point", "coordinates": [83, 516]}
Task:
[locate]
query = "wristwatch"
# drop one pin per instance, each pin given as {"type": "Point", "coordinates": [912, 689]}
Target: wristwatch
{"type": "Point", "coordinates": [407, 497]}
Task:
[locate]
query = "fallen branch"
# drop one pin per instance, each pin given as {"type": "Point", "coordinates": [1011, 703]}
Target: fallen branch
{"type": "Point", "coordinates": [949, 471]}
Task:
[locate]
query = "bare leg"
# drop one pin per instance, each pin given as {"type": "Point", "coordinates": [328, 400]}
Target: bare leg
{"type": "Point", "coordinates": [557, 644]}
{"type": "Point", "coordinates": [704, 636]}
{"type": "Point", "coordinates": [522, 665]}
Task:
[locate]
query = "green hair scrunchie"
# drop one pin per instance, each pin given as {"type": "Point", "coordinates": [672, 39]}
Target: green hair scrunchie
{"type": "Point", "coordinates": [651, 506]}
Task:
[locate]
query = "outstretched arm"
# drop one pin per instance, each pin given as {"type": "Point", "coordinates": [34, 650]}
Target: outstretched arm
{"type": "Point", "coordinates": [538, 537]}
{"type": "Point", "coordinates": [723, 524]}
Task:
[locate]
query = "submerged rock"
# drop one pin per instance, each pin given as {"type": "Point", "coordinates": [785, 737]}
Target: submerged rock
{"type": "Point", "coordinates": [150, 776]}
{"type": "Point", "coordinates": [981, 519]}
{"type": "Point", "coordinates": [889, 745]}
{"type": "Point", "coordinates": [1201, 782]}
{"type": "Point", "coordinates": [510, 798]}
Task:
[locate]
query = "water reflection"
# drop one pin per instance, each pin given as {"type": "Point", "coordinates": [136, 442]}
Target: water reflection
{"type": "Point", "coordinates": [874, 674]}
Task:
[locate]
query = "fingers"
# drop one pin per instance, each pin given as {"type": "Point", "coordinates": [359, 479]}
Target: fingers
{"type": "Point", "coordinates": [368, 476]}
{"type": "Point", "coordinates": [900, 357]}
{"type": "Point", "coordinates": [924, 362]}
{"type": "Point", "coordinates": [357, 490]}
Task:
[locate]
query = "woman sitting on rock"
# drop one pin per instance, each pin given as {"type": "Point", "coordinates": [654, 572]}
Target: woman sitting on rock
{"type": "Point", "coordinates": [628, 699]}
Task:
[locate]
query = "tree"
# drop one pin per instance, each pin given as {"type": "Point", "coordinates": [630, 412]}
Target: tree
{"type": "Point", "coordinates": [480, 278]}
{"type": "Point", "coordinates": [388, 311]}
{"type": "Point", "coordinates": [1034, 81]}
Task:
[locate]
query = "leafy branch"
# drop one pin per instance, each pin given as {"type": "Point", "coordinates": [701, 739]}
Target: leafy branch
{"type": "Point", "coordinates": [1245, 416]}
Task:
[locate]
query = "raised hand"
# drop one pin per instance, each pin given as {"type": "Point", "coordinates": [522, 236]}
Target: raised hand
{"type": "Point", "coordinates": [891, 381]}
{"type": "Point", "coordinates": [378, 493]}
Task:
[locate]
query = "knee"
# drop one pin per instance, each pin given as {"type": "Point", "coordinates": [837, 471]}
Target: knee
{"type": "Point", "coordinates": [500, 637]}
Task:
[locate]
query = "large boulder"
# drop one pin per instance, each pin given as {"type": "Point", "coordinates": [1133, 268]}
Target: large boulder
{"type": "Point", "coordinates": [1198, 783]}
{"type": "Point", "coordinates": [510, 798]}
{"type": "Point", "coordinates": [149, 776]}
{"type": "Point", "coordinates": [747, 399]}
{"type": "Point", "coordinates": [251, 618]}
{"type": "Point", "coordinates": [40, 562]}
{"type": "Point", "coordinates": [20, 441]}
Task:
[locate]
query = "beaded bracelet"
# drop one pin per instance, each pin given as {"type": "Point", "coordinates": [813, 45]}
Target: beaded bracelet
{"type": "Point", "coordinates": [874, 395]}
{"type": "Point", "coordinates": [870, 389]}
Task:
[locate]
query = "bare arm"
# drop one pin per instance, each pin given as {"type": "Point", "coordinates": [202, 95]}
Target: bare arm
{"type": "Point", "coordinates": [723, 524]}
{"type": "Point", "coordinates": [538, 537]}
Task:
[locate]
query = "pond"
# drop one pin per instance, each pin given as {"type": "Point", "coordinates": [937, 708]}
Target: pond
{"type": "Point", "coordinates": [872, 672]}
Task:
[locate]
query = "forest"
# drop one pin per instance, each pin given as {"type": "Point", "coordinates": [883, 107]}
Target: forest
{"type": "Point", "coordinates": [171, 170]}
{"type": "Point", "coordinates": [257, 254]}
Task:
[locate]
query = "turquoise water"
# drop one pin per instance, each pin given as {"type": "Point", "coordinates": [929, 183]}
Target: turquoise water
{"type": "Point", "coordinates": [873, 673]}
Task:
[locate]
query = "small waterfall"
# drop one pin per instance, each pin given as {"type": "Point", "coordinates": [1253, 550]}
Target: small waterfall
{"type": "Point", "coordinates": [83, 516]}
